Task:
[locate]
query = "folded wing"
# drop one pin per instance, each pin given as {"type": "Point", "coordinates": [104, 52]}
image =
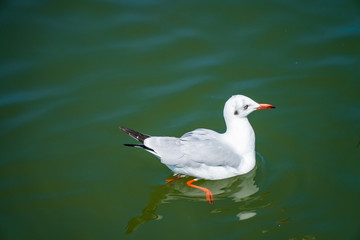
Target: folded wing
{"type": "Point", "coordinates": [193, 149]}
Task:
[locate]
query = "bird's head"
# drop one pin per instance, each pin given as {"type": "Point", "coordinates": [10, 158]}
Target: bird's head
{"type": "Point", "coordinates": [240, 106]}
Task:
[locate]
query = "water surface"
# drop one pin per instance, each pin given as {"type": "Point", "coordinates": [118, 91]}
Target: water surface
{"type": "Point", "coordinates": [72, 71]}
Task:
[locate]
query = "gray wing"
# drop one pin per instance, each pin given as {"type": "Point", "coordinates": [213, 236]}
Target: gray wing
{"type": "Point", "coordinates": [201, 146]}
{"type": "Point", "coordinates": [205, 146]}
{"type": "Point", "coordinates": [168, 149]}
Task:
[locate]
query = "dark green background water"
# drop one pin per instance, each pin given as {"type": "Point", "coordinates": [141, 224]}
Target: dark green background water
{"type": "Point", "coordinates": [73, 71]}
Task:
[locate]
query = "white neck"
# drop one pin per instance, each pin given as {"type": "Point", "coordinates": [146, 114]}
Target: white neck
{"type": "Point", "coordinates": [241, 137]}
{"type": "Point", "coordinates": [240, 132]}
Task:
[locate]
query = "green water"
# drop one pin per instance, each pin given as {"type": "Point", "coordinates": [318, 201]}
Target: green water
{"type": "Point", "coordinates": [73, 71]}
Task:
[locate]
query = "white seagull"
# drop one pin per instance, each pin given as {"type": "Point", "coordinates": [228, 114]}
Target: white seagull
{"type": "Point", "coordinates": [206, 154]}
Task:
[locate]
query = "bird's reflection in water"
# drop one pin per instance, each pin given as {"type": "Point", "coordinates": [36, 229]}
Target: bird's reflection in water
{"type": "Point", "coordinates": [239, 189]}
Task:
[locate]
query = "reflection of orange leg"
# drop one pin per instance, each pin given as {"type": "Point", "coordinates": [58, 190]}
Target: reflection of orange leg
{"type": "Point", "coordinates": [173, 178]}
{"type": "Point", "coordinates": [209, 195]}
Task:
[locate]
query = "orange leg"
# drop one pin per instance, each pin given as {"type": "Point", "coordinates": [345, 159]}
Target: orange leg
{"type": "Point", "coordinates": [209, 195]}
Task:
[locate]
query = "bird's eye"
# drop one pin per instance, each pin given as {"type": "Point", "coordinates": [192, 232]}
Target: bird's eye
{"type": "Point", "coordinates": [246, 107]}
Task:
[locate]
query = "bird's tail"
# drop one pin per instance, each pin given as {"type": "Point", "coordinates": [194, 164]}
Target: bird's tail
{"type": "Point", "coordinates": [134, 134]}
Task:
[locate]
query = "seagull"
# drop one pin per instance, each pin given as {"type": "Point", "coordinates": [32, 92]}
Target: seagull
{"type": "Point", "coordinates": [204, 153]}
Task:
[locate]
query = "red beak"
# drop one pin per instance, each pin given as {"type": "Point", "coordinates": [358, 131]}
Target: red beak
{"type": "Point", "coordinates": [265, 106]}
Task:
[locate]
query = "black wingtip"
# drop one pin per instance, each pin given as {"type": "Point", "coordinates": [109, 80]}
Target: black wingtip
{"type": "Point", "coordinates": [134, 134]}
{"type": "Point", "coordinates": [138, 146]}
{"type": "Point", "coordinates": [131, 145]}
{"type": "Point", "coordinates": [123, 128]}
